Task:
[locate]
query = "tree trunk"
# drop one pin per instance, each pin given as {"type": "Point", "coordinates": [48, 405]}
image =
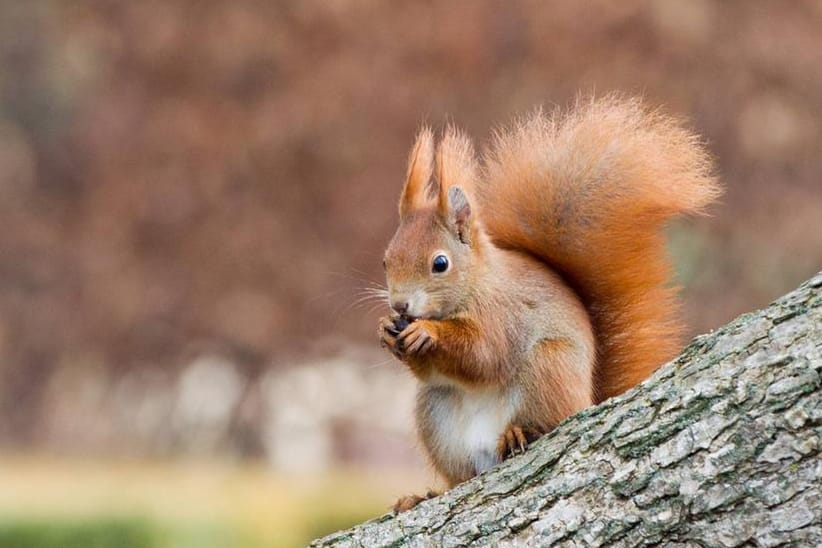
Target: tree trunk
{"type": "Point", "coordinates": [720, 447]}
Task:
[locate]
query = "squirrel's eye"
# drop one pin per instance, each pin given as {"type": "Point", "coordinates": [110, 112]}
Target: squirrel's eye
{"type": "Point", "coordinates": [383, 264]}
{"type": "Point", "coordinates": [440, 264]}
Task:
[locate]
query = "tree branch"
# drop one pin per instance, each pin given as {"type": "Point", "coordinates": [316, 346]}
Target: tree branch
{"type": "Point", "coordinates": [721, 446]}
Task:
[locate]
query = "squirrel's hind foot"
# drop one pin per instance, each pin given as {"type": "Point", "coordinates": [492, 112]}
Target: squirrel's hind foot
{"type": "Point", "coordinates": [409, 501]}
{"type": "Point", "coordinates": [515, 440]}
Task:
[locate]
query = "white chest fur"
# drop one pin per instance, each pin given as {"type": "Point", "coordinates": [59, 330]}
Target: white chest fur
{"type": "Point", "coordinates": [466, 423]}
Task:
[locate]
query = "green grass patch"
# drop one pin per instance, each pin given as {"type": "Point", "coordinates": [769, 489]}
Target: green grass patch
{"type": "Point", "coordinates": [47, 502]}
{"type": "Point", "coordinates": [85, 533]}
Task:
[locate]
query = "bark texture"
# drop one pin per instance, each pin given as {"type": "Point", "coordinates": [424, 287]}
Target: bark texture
{"type": "Point", "coordinates": [720, 447]}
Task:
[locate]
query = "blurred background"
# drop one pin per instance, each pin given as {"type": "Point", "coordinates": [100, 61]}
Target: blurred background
{"type": "Point", "coordinates": [193, 196]}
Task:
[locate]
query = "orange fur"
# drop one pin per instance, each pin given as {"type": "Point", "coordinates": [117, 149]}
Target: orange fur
{"type": "Point", "coordinates": [556, 292]}
{"type": "Point", "coordinates": [588, 192]}
{"type": "Point", "coordinates": [419, 173]}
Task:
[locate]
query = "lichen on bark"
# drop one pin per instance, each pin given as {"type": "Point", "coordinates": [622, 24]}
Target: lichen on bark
{"type": "Point", "coordinates": [720, 447]}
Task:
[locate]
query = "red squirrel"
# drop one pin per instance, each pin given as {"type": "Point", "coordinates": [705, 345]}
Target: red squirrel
{"type": "Point", "coordinates": [534, 283]}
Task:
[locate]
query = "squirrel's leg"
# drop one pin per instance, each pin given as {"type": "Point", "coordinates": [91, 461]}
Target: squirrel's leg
{"type": "Point", "coordinates": [409, 501]}
{"type": "Point", "coordinates": [515, 440]}
{"type": "Point", "coordinates": [554, 363]}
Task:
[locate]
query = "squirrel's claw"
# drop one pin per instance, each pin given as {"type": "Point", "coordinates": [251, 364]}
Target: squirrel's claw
{"type": "Point", "coordinates": [514, 441]}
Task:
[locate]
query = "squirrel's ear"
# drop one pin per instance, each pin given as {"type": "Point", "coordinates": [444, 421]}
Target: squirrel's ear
{"type": "Point", "coordinates": [420, 167]}
{"type": "Point", "coordinates": [456, 170]}
{"type": "Point", "coordinates": [459, 214]}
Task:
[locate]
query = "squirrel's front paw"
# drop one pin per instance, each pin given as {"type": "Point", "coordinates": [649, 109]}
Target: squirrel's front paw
{"type": "Point", "coordinates": [419, 338]}
{"type": "Point", "coordinates": [389, 333]}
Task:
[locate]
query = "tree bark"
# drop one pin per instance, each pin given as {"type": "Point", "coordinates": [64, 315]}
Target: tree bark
{"type": "Point", "coordinates": [720, 447]}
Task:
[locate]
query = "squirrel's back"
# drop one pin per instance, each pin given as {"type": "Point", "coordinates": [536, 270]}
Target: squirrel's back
{"type": "Point", "coordinates": [588, 192]}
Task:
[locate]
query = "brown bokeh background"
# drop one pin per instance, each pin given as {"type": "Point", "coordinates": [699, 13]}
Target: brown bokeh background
{"type": "Point", "coordinates": [193, 193]}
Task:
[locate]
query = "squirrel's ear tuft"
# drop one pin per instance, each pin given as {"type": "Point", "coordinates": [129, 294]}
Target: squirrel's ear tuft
{"type": "Point", "coordinates": [456, 174]}
{"type": "Point", "coordinates": [459, 214]}
{"type": "Point", "coordinates": [420, 168]}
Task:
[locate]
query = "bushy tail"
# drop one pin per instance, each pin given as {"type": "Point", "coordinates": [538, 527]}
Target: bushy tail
{"type": "Point", "coordinates": [588, 191]}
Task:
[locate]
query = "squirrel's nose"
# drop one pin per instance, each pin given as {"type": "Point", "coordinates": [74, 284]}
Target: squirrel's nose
{"type": "Point", "coordinates": [400, 307]}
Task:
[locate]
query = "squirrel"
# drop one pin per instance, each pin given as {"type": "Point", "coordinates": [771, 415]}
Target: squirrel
{"type": "Point", "coordinates": [534, 283]}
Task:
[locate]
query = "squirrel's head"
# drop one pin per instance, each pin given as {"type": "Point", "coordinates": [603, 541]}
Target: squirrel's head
{"type": "Point", "coordinates": [429, 262]}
